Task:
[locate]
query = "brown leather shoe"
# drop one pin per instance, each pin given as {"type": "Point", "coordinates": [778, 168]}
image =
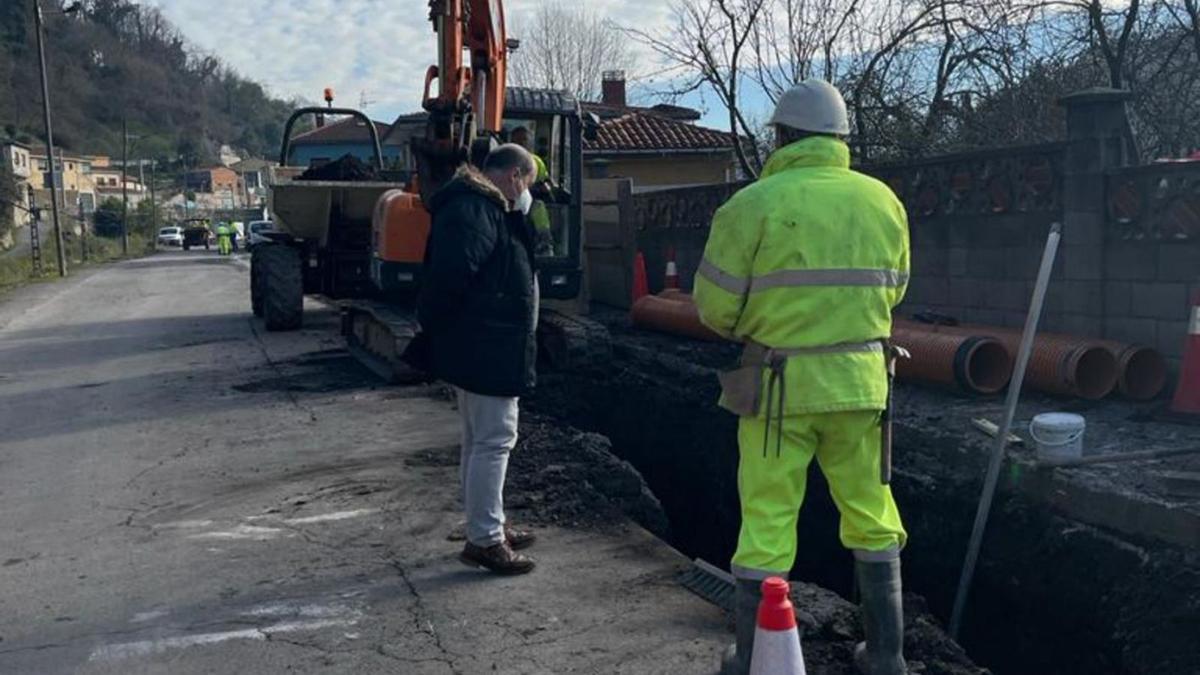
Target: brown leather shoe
{"type": "Point", "coordinates": [519, 538]}
{"type": "Point", "coordinates": [499, 558]}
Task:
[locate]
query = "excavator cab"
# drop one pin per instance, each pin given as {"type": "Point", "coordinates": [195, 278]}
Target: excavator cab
{"type": "Point", "coordinates": [553, 130]}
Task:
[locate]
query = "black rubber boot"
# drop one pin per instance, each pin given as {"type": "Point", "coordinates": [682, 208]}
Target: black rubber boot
{"type": "Point", "coordinates": [883, 618]}
{"type": "Point", "coordinates": [747, 596]}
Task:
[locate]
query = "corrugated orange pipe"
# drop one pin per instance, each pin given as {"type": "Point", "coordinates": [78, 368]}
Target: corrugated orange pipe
{"type": "Point", "coordinates": [973, 363]}
{"type": "Point", "coordinates": [1142, 371]}
{"type": "Point", "coordinates": [671, 315]}
{"type": "Point", "coordinates": [1060, 364]}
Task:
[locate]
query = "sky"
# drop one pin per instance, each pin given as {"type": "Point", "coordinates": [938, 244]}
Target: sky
{"type": "Point", "coordinates": [377, 47]}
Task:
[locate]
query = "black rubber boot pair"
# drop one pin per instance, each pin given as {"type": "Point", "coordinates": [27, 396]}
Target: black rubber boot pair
{"type": "Point", "coordinates": [883, 618]}
{"type": "Point", "coordinates": [747, 596]}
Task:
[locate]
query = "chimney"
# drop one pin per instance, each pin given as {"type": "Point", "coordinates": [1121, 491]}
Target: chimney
{"type": "Point", "coordinates": [613, 88]}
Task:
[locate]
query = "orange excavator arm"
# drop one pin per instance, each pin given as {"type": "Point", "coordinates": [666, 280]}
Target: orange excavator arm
{"type": "Point", "coordinates": [471, 75]}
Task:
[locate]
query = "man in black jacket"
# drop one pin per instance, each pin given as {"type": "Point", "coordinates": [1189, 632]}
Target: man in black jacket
{"type": "Point", "coordinates": [478, 306]}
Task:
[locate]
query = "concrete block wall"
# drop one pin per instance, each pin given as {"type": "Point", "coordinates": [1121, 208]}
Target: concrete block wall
{"type": "Point", "coordinates": [1148, 290]}
{"type": "Point", "coordinates": [979, 222]}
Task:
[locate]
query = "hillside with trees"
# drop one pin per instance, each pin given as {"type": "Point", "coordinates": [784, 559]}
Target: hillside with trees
{"type": "Point", "coordinates": [114, 59]}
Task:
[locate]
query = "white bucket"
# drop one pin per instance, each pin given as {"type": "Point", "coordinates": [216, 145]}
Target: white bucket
{"type": "Point", "coordinates": [1058, 435]}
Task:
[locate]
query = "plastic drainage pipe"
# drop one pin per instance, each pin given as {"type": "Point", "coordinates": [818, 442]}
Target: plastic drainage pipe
{"type": "Point", "coordinates": [973, 363]}
{"type": "Point", "coordinates": [677, 317]}
{"type": "Point", "coordinates": [1142, 371]}
{"type": "Point", "coordinates": [1010, 409]}
{"type": "Point", "coordinates": [1059, 364]}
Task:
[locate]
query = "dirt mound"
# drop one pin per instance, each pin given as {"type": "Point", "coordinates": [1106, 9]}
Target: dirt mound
{"type": "Point", "coordinates": [560, 475]}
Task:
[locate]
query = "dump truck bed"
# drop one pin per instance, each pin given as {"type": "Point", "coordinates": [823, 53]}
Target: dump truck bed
{"type": "Point", "coordinates": [306, 209]}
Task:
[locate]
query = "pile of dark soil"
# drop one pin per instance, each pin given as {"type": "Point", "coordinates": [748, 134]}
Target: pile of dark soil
{"type": "Point", "coordinates": [345, 168]}
{"type": "Point", "coordinates": [559, 475]}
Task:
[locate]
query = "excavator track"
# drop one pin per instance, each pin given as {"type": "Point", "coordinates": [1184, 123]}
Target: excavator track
{"type": "Point", "coordinates": [377, 335]}
{"type": "Point", "coordinates": [572, 342]}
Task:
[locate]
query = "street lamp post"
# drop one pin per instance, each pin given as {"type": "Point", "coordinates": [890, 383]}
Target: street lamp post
{"type": "Point", "coordinates": [124, 187]}
{"type": "Point", "coordinates": [58, 238]}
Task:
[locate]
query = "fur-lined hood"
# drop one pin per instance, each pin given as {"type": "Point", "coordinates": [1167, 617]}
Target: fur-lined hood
{"type": "Point", "coordinates": [470, 179]}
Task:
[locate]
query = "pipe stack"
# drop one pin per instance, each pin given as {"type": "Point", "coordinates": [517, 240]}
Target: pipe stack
{"type": "Point", "coordinates": [1142, 370]}
{"type": "Point", "coordinates": [1073, 366]}
{"type": "Point", "coordinates": [972, 363]}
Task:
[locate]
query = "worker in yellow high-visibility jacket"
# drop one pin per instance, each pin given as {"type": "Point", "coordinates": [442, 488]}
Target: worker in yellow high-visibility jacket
{"type": "Point", "coordinates": [223, 242]}
{"type": "Point", "coordinates": [539, 214]}
{"type": "Point", "coordinates": [805, 266]}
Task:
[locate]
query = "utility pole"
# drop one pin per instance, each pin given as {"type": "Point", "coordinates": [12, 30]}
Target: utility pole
{"type": "Point", "coordinates": [83, 233]}
{"type": "Point", "coordinates": [124, 187]}
{"type": "Point", "coordinates": [35, 237]}
{"type": "Point", "coordinates": [153, 204]}
{"type": "Point", "coordinates": [58, 238]}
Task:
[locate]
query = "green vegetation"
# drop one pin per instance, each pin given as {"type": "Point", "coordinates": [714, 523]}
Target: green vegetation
{"type": "Point", "coordinates": [115, 59]}
{"type": "Point", "coordinates": [9, 195]}
{"type": "Point", "coordinates": [16, 270]}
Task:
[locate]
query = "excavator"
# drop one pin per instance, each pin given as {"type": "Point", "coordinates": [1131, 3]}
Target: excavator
{"type": "Point", "coordinates": [360, 240]}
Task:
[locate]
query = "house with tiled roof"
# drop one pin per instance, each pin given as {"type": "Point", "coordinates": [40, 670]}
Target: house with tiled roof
{"type": "Point", "coordinates": [658, 146]}
{"type": "Point", "coordinates": [330, 141]}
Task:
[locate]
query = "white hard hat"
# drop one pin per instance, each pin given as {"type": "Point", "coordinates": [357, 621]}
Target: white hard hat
{"type": "Point", "coordinates": [813, 105]}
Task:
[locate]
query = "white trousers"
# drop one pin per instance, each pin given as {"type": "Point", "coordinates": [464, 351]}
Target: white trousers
{"type": "Point", "coordinates": [489, 433]}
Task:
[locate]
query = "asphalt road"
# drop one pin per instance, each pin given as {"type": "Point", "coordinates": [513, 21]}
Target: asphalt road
{"type": "Point", "coordinates": [181, 492]}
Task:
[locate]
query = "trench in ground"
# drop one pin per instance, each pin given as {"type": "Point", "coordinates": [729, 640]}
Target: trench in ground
{"type": "Point", "coordinates": [1051, 595]}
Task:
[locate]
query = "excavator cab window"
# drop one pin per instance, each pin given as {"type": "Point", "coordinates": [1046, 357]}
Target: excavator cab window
{"type": "Point", "coordinates": [546, 136]}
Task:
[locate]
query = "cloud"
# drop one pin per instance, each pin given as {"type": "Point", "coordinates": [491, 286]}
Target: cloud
{"type": "Point", "coordinates": [380, 47]}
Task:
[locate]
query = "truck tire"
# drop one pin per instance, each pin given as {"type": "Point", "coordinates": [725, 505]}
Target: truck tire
{"type": "Point", "coordinates": [256, 295]}
{"type": "Point", "coordinates": [282, 287]}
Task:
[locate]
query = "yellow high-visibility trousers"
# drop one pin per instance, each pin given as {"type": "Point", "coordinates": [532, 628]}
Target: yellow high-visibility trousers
{"type": "Point", "coordinates": [771, 488]}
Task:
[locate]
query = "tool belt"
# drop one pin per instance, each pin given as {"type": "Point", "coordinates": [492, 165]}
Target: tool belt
{"type": "Point", "coordinates": [742, 386]}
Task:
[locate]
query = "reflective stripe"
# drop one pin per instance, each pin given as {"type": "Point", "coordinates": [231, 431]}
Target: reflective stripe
{"type": "Point", "coordinates": [886, 555]}
{"type": "Point", "coordinates": [878, 278]}
{"type": "Point", "coordinates": [752, 574]}
{"type": "Point", "coordinates": [829, 277]}
{"type": "Point", "coordinates": [1194, 329]}
{"type": "Point", "coordinates": [722, 279]}
{"type": "Point", "coordinates": [840, 348]}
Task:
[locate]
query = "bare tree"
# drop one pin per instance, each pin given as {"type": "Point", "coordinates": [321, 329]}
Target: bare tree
{"type": "Point", "coordinates": [566, 46]}
{"type": "Point", "coordinates": [706, 48]}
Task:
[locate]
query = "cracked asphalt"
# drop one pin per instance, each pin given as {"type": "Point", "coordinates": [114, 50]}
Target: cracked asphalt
{"type": "Point", "coordinates": [181, 492]}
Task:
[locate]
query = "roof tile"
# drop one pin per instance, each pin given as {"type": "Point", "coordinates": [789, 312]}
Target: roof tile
{"type": "Point", "coordinates": [649, 132]}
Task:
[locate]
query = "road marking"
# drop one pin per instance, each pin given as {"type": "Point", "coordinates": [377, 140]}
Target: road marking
{"type": "Point", "coordinates": [185, 524]}
{"type": "Point", "coordinates": [253, 532]}
{"type": "Point", "coordinates": [326, 517]}
{"type": "Point", "coordinates": [129, 650]}
{"type": "Point", "coordinates": [142, 617]}
{"type": "Point", "coordinates": [294, 609]}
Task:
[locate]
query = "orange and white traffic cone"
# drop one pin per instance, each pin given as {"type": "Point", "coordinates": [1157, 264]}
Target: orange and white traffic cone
{"type": "Point", "coordinates": [671, 280]}
{"type": "Point", "coordinates": [776, 640]}
{"type": "Point", "coordinates": [641, 288]}
{"type": "Point", "coordinates": [1187, 392]}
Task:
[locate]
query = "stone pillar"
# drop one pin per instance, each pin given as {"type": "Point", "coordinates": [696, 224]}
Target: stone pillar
{"type": "Point", "coordinates": [1097, 140]}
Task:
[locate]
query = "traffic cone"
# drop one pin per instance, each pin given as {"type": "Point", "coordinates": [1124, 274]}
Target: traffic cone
{"type": "Point", "coordinates": [1187, 392]}
{"type": "Point", "coordinates": [641, 287]}
{"type": "Point", "coordinates": [671, 280]}
{"type": "Point", "coordinates": [776, 640]}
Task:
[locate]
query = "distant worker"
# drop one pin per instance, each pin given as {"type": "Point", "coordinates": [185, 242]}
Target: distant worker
{"type": "Point", "coordinates": [478, 312]}
{"type": "Point", "coordinates": [223, 239]}
{"type": "Point", "coordinates": [804, 266]}
{"type": "Point", "coordinates": [542, 189]}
